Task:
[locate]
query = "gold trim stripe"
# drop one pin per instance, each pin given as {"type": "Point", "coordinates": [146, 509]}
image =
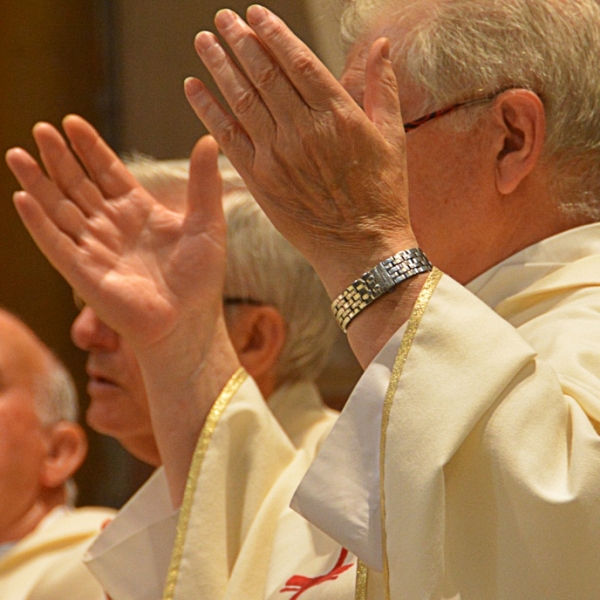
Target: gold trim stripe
{"type": "Point", "coordinates": [230, 389]}
{"type": "Point", "coordinates": [362, 578]}
{"type": "Point", "coordinates": [407, 341]}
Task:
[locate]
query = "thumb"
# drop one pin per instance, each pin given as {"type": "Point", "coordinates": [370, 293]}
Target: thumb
{"type": "Point", "coordinates": [382, 105]}
{"type": "Point", "coordinates": [204, 193]}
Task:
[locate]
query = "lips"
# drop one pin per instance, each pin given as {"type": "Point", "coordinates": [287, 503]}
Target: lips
{"type": "Point", "coordinates": [98, 386]}
{"type": "Point", "coordinates": [99, 382]}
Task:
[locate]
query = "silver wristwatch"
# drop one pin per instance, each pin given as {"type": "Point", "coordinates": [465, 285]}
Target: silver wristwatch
{"type": "Point", "coordinates": [379, 280]}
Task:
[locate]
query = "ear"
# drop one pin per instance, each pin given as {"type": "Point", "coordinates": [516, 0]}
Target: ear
{"type": "Point", "coordinates": [258, 334]}
{"type": "Point", "coordinates": [67, 448]}
{"type": "Point", "coordinates": [521, 127]}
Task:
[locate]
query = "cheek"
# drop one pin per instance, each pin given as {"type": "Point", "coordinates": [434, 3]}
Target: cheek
{"type": "Point", "coordinates": [19, 428]}
{"type": "Point", "coordinates": [428, 190]}
{"type": "Point", "coordinates": [131, 373]}
{"type": "Point", "coordinates": [133, 390]}
{"type": "Point", "coordinates": [445, 182]}
{"type": "Point", "coordinates": [139, 400]}
{"type": "Point", "coordinates": [21, 454]}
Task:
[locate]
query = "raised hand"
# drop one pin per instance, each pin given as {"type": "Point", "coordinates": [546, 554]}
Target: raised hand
{"type": "Point", "coordinates": [331, 177]}
{"type": "Point", "coordinates": [153, 275]}
{"type": "Point", "coordinates": [142, 267]}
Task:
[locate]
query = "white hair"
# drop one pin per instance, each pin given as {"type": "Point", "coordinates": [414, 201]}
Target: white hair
{"type": "Point", "coordinates": [262, 266]}
{"type": "Point", "coordinates": [56, 395]}
{"type": "Point", "coordinates": [459, 49]}
{"type": "Point", "coordinates": [56, 400]}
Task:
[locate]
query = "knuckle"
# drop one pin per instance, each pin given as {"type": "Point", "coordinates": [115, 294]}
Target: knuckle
{"type": "Point", "coordinates": [274, 30]}
{"type": "Point", "coordinates": [389, 83]}
{"type": "Point", "coordinates": [267, 78]}
{"type": "Point", "coordinates": [245, 102]}
{"type": "Point", "coordinates": [228, 134]}
{"type": "Point", "coordinates": [302, 64]}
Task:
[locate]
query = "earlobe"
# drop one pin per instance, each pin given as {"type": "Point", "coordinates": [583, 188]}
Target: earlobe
{"type": "Point", "coordinates": [67, 448]}
{"type": "Point", "coordinates": [522, 126]}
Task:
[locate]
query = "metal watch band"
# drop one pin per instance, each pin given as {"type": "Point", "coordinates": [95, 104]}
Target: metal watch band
{"type": "Point", "coordinates": [378, 281]}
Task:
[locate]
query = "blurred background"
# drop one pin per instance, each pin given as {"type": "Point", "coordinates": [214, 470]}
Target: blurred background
{"type": "Point", "coordinates": [121, 65]}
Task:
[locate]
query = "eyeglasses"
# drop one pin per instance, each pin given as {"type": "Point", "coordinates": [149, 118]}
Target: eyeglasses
{"type": "Point", "coordinates": [412, 125]}
{"type": "Point", "coordinates": [229, 301]}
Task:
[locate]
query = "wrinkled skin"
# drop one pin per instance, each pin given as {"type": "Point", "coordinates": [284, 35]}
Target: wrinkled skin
{"type": "Point", "coordinates": [153, 275]}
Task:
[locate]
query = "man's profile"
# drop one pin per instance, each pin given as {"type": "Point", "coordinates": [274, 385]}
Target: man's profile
{"type": "Point", "coordinates": [42, 536]}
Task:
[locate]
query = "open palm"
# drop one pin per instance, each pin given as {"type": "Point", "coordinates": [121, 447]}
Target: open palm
{"type": "Point", "coordinates": [146, 270]}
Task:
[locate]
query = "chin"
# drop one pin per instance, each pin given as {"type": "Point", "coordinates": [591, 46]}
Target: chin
{"type": "Point", "coordinates": [106, 420]}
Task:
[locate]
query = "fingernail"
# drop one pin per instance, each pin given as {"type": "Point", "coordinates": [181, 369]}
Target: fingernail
{"type": "Point", "coordinates": [256, 14]}
{"type": "Point", "coordinates": [193, 87]}
{"type": "Point", "coordinates": [224, 18]}
{"type": "Point", "coordinates": [385, 50]}
{"type": "Point", "coordinates": [205, 40]}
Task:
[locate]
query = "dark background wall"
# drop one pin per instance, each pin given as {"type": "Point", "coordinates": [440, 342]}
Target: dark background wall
{"type": "Point", "coordinates": [52, 62]}
{"type": "Point", "coordinates": [121, 64]}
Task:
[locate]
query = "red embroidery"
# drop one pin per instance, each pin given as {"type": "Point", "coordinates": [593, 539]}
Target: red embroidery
{"type": "Point", "coordinates": [300, 583]}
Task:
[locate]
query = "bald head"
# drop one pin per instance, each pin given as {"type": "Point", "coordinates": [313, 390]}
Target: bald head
{"type": "Point", "coordinates": [22, 354]}
{"type": "Point", "coordinates": [40, 446]}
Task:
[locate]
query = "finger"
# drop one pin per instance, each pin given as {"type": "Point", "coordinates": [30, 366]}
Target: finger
{"type": "Point", "coordinates": [315, 84]}
{"type": "Point", "coordinates": [47, 195]}
{"type": "Point", "coordinates": [381, 100]}
{"type": "Point", "coordinates": [267, 78]}
{"type": "Point", "coordinates": [226, 130]}
{"type": "Point", "coordinates": [64, 169]}
{"type": "Point", "coordinates": [205, 190]}
{"type": "Point", "coordinates": [58, 247]}
{"type": "Point", "coordinates": [104, 167]}
{"type": "Point", "coordinates": [31, 177]}
{"type": "Point", "coordinates": [240, 94]}
{"type": "Point", "coordinates": [78, 261]}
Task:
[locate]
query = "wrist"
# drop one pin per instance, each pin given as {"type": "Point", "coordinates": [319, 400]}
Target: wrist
{"type": "Point", "coordinates": [377, 281]}
{"type": "Point", "coordinates": [339, 265]}
{"type": "Point", "coordinates": [374, 327]}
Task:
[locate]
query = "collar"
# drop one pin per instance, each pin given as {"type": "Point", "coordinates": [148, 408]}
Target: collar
{"type": "Point", "coordinates": [532, 265]}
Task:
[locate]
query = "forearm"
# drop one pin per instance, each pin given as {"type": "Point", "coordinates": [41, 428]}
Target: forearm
{"type": "Point", "coordinates": [182, 384]}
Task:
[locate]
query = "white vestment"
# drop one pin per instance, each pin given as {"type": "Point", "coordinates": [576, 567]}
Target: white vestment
{"type": "Point", "coordinates": [47, 563]}
{"type": "Point", "coordinates": [465, 465]}
{"type": "Point", "coordinates": [131, 557]}
{"type": "Point", "coordinates": [489, 444]}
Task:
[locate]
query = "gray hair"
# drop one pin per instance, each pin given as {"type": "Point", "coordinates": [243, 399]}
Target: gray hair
{"type": "Point", "coordinates": [56, 400]}
{"type": "Point", "coordinates": [262, 266]}
{"type": "Point", "coordinates": [56, 395]}
{"type": "Point", "coordinates": [457, 49]}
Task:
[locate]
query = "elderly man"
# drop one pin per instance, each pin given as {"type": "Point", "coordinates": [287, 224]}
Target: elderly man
{"type": "Point", "coordinates": [42, 537]}
{"type": "Point", "coordinates": [282, 334]}
{"type": "Point", "coordinates": [465, 463]}
{"type": "Point", "coordinates": [277, 315]}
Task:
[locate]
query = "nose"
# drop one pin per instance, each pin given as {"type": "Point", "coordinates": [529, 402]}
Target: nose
{"type": "Point", "coordinates": [88, 332]}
